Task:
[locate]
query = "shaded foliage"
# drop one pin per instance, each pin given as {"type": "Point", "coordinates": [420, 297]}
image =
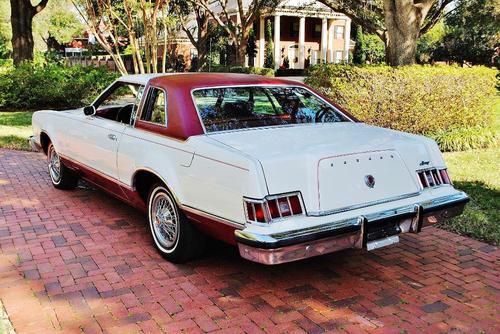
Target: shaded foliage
{"type": "Point", "coordinates": [473, 31]}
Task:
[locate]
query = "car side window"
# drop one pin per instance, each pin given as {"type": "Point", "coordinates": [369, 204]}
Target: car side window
{"type": "Point", "coordinates": [123, 94]}
{"type": "Point", "coordinates": [155, 110]}
{"type": "Point", "coordinates": [119, 102]}
{"type": "Point", "coordinates": [138, 99]}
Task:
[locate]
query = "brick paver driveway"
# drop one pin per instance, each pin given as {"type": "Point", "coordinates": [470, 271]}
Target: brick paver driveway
{"type": "Point", "coordinates": [81, 261]}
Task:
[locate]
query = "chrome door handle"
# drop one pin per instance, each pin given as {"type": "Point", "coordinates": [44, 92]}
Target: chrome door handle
{"type": "Point", "coordinates": [112, 136]}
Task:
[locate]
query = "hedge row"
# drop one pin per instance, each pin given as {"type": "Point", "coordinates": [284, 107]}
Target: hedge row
{"type": "Point", "coordinates": [246, 70]}
{"type": "Point", "coordinates": [51, 86]}
{"type": "Point", "coordinates": [453, 105]}
{"type": "Point", "coordinates": [35, 86]}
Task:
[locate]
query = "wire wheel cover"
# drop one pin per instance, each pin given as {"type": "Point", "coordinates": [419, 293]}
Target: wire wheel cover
{"type": "Point", "coordinates": [165, 221]}
{"type": "Point", "coordinates": [54, 165]}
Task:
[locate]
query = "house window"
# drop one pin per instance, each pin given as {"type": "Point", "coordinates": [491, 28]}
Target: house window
{"type": "Point", "coordinates": [317, 30]}
{"type": "Point", "coordinates": [294, 29]}
{"type": "Point", "coordinates": [339, 32]}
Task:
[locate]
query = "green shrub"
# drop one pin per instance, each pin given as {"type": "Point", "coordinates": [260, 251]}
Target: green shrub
{"type": "Point", "coordinates": [51, 86]}
{"type": "Point", "coordinates": [417, 99]}
{"type": "Point", "coordinates": [268, 72]}
{"type": "Point", "coordinates": [465, 139]}
{"type": "Point", "coordinates": [240, 69]}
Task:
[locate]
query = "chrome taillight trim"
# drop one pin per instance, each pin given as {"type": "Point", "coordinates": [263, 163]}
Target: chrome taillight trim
{"type": "Point", "coordinates": [267, 212]}
{"type": "Point", "coordinates": [432, 177]}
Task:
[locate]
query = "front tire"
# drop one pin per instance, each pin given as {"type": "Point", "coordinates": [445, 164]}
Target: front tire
{"type": "Point", "coordinates": [60, 175]}
{"type": "Point", "coordinates": [174, 235]}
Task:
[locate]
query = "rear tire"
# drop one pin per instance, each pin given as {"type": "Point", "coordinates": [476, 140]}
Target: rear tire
{"type": "Point", "coordinates": [173, 234]}
{"type": "Point", "coordinates": [60, 175]}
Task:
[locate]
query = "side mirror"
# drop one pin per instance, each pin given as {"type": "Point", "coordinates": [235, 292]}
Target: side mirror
{"type": "Point", "coordinates": [89, 110]}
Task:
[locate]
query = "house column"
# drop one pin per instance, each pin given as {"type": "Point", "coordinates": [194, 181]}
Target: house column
{"type": "Point", "coordinates": [331, 32]}
{"type": "Point", "coordinates": [262, 40]}
{"type": "Point", "coordinates": [324, 39]}
{"type": "Point", "coordinates": [277, 46]}
{"type": "Point", "coordinates": [302, 42]}
{"type": "Point", "coordinates": [347, 39]}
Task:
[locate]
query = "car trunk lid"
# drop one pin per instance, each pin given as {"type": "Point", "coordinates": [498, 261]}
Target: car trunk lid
{"type": "Point", "coordinates": [352, 180]}
{"type": "Point", "coordinates": [330, 163]}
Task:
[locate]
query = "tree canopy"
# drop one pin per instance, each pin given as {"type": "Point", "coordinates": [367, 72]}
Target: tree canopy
{"type": "Point", "coordinates": [398, 23]}
{"type": "Point", "coordinates": [473, 31]}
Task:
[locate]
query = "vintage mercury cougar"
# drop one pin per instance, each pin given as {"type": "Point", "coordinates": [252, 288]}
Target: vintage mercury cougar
{"type": "Point", "coordinates": [266, 164]}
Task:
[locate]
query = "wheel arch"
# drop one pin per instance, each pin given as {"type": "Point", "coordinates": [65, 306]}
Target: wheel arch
{"type": "Point", "coordinates": [144, 178]}
{"type": "Point", "coordinates": [44, 141]}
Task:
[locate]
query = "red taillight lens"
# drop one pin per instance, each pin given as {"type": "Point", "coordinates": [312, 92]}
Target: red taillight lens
{"type": "Point", "coordinates": [295, 204]}
{"type": "Point", "coordinates": [423, 179]}
{"type": "Point", "coordinates": [259, 213]}
{"type": "Point", "coordinates": [273, 208]}
{"type": "Point", "coordinates": [433, 177]}
{"type": "Point", "coordinates": [444, 176]}
{"type": "Point", "coordinates": [250, 212]}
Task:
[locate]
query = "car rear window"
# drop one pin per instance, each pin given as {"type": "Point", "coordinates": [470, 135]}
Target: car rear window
{"type": "Point", "coordinates": [232, 108]}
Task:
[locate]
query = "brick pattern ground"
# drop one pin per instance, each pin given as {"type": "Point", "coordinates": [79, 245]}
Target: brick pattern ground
{"type": "Point", "coordinates": [80, 261]}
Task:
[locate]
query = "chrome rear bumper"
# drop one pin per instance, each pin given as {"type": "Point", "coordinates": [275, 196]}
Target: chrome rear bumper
{"type": "Point", "coordinates": [369, 231]}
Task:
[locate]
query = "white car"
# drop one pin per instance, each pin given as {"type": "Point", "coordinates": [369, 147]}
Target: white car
{"type": "Point", "coordinates": [266, 164]}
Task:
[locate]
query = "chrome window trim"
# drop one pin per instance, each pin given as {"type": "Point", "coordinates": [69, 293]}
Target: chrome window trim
{"type": "Point", "coordinates": [166, 106]}
{"type": "Point", "coordinates": [260, 85]}
{"type": "Point", "coordinates": [139, 107]}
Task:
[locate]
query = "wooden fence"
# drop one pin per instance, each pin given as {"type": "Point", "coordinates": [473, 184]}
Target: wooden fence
{"type": "Point", "coordinates": [98, 61]}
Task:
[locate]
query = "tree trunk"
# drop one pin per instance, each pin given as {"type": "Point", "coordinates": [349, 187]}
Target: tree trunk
{"type": "Point", "coordinates": [202, 55]}
{"type": "Point", "coordinates": [22, 13]}
{"type": "Point", "coordinates": [402, 21]}
{"type": "Point", "coordinates": [201, 45]}
{"type": "Point", "coordinates": [241, 47]}
{"type": "Point", "coordinates": [164, 50]}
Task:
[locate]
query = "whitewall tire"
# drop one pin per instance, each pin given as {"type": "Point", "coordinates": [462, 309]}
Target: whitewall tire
{"type": "Point", "coordinates": [61, 176]}
{"type": "Point", "coordinates": [173, 234]}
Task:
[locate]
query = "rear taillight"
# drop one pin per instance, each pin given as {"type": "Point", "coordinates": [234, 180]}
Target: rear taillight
{"type": "Point", "coordinates": [273, 207]}
{"type": "Point", "coordinates": [433, 177]}
{"type": "Point", "coordinates": [445, 176]}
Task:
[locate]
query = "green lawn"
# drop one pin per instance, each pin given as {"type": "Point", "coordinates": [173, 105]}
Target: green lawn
{"type": "Point", "coordinates": [475, 172]}
{"type": "Point", "coordinates": [15, 128]}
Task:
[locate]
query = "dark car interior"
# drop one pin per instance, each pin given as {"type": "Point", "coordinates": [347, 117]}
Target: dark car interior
{"type": "Point", "coordinates": [120, 113]}
{"type": "Point", "coordinates": [118, 102]}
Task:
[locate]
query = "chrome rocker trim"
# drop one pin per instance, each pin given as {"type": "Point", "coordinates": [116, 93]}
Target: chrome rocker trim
{"type": "Point", "coordinates": [366, 231]}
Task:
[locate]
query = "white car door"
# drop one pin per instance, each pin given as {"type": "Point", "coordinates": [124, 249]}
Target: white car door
{"type": "Point", "coordinates": [100, 138]}
{"type": "Point", "coordinates": [96, 143]}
